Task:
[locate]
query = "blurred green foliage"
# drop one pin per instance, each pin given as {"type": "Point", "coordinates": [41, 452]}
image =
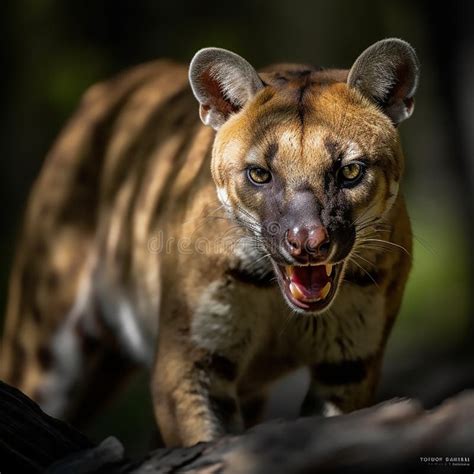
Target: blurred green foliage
{"type": "Point", "coordinates": [435, 304]}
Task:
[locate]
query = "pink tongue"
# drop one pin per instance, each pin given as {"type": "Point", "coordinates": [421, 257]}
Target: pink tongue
{"type": "Point", "coordinates": [310, 279]}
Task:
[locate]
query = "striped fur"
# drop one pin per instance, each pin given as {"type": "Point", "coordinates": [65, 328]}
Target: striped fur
{"type": "Point", "coordinates": [127, 254]}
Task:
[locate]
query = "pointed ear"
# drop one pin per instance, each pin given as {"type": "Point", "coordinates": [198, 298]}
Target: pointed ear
{"type": "Point", "coordinates": [222, 82]}
{"type": "Point", "coordinates": [387, 72]}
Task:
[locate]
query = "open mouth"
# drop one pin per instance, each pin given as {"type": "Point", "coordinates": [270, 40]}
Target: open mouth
{"type": "Point", "coordinates": [309, 288]}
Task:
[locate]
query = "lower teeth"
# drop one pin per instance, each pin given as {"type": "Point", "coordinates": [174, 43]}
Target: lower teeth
{"type": "Point", "coordinates": [298, 294]}
{"type": "Point", "coordinates": [325, 291]}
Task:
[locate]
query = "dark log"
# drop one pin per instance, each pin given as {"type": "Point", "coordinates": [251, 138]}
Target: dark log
{"type": "Point", "coordinates": [30, 440]}
{"type": "Point", "coordinates": [394, 436]}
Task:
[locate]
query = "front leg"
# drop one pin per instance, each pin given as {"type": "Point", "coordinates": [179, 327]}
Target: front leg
{"type": "Point", "coordinates": [341, 387]}
{"type": "Point", "coordinates": [194, 393]}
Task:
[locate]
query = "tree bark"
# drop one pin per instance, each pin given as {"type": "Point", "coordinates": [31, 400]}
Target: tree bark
{"type": "Point", "coordinates": [394, 436]}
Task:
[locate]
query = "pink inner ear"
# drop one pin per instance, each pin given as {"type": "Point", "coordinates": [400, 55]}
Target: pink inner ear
{"type": "Point", "coordinates": [403, 86]}
{"type": "Point", "coordinates": [409, 103]}
{"type": "Point", "coordinates": [215, 95]}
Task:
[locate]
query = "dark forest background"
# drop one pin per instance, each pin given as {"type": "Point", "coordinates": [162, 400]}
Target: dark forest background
{"type": "Point", "coordinates": [52, 50]}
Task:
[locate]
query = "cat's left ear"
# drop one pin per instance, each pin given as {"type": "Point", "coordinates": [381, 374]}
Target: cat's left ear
{"type": "Point", "coordinates": [387, 72]}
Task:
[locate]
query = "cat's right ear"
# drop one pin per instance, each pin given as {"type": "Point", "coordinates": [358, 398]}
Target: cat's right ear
{"type": "Point", "coordinates": [222, 82]}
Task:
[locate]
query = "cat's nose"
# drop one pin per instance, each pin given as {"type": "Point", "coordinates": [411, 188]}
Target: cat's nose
{"type": "Point", "coordinates": [308, 244]}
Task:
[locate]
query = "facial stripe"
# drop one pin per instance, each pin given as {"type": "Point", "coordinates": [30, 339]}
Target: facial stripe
{"type": "Point", "coordinates": [333, 148]}
{"type": "Point", "coordinates": [270, 152]}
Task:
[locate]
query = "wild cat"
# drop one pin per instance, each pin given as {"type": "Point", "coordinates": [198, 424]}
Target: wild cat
{"type": "Point", "coordinates": [303, 164]}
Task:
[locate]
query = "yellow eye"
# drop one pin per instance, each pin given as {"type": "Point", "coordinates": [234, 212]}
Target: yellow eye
{"type": "Point", "coordinates": [351, 173]}
{"type": "Point", "coordinates": [259, 175]}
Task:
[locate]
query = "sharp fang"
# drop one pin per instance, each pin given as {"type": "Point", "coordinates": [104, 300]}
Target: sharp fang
{"type": "Point", "coordinates": [325, 291]}
{"type": "Point", "coordinates": [289, 270]}
{"type": "Point", "coordinates": [328, 269]}
{"type": "Point", "coordinates": [296, 292]}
